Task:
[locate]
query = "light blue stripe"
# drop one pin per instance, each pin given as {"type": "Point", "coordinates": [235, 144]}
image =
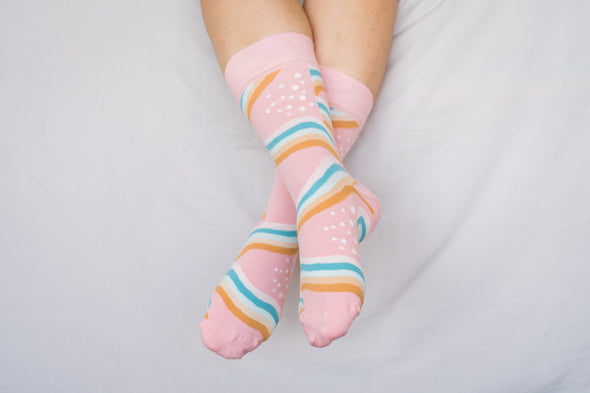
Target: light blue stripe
{"type": "Point", "coordinates": [244, 302]}
{"type": "Point", "coordinates": [324, 108]}
{"type": "Point", "coordinates": [325, 188]}
{"type": "Point", "coordinates": [329, 172]}
{"type": "Point", "coordinates": [242, 101]}
{"type": "Point", "coordinates": [243, 97]}
{"type": "Point", "coordinates": [300, 126]}
{"type": "Point", "coordinates": [361, 222]}
{"type": "Point", "coordinates": [332, 266]}
{"type": "Point", "coordinates": [275, 232]}
{"type": "Point", "coordinates": [315, 72]}
{"type": "Point", "coordinates": [250, 296]}
{"type": "Point", "coordinates": [309, 132]}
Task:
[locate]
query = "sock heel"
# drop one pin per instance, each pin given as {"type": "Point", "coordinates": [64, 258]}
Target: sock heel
{"type": "Point", "coordinates": [373, 202]}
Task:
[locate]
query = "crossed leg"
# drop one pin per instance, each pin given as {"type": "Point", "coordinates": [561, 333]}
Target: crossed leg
{"type": "Point", "coordinates": [352, 40]}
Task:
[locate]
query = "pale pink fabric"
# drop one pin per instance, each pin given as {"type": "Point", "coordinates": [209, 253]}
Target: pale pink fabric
{"type": "Point", "coordinates": [257, 59]}
{"type": "Point", "coordinates": [347, 94]}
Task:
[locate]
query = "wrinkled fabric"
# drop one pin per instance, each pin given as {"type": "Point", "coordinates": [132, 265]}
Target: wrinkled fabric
{"type": "Point", "coordinates": [117, 217]}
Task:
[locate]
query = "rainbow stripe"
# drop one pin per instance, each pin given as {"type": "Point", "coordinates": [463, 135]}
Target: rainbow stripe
{"type": "Point", "coordinates": [342, 120]}
{"type": "Point", "coordinates": [332, 274]}
{"type": "Point", "coordinates": [298, 134]}
{"type": "Point", "coordinates": [329, 185]}
{"type": "Point", "coordinates": [250, 305]}
{"type": "Point", "coordinates": [253, 307]}
{"type": "Point", "coordinates": [316, 78]}
{"type": "Point", "coordinates": [277, 238]}
{"type": "Point", "coordinates": [318, 89]}
{"type": "Point", "coordinates": [253, 92]}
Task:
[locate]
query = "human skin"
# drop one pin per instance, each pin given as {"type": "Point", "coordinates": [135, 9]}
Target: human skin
{"type": "Point", "coordinates": [351, 36]}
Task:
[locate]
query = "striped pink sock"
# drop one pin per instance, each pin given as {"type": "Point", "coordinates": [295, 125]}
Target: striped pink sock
{"type": "Point", "coordinates": [246, 305]}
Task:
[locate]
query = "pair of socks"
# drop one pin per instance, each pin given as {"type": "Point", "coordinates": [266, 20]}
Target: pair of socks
{"type": "Point", "coordinates": [308, 117]}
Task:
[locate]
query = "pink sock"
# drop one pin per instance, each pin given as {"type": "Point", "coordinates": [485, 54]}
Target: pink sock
{"type": "Point", "coordinates": [233, 326]}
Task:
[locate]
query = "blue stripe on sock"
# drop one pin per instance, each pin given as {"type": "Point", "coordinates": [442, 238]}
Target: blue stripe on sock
{"type": "Point", "coordinates": [361, 222]}
{"type": "Point", "coordinates": [294, 129]}
{"type": "Point", "coordinates": [246, 292]}
{"type": "Point", "coordinates": [323, 107]}
{"type": "Point", "coordinates": [242, 101]}
{"type": "Point", "coordinates": [332, 266]}
{"type": "Point", "coordinates": [275, 232]}
{"type": "Point", "coordinates": [331, 170]}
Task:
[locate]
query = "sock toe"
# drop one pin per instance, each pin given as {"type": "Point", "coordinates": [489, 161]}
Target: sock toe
{"type": "Point", "coordinates": [225, 343]}
{"type": "Point", "coordinates": [324, 326]}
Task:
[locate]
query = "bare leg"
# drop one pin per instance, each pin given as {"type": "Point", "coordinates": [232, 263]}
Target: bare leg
{"type": "Point", "coordinates": [235, 24]}
{"type": "Point", "coordinates": [353, 36]}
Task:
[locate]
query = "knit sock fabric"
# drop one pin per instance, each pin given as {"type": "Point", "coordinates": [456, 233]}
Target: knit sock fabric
{"type": "Point", "coordinates": [269, 255]}
{"type": "Point", "coordinates": [248, 302]}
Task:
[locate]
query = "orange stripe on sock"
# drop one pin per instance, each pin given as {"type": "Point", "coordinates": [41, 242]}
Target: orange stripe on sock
{"type": "Point", "coordinates": [304, 145]}
{"type": "Point", "coordinates": [366, 203]}
{"type": "Point", "coordinates": [336, 198]}
{"type": "Point", "coordinates": [344, 124]}
{"type": "Point", "coordinates": [241, 316]}
{"type": "Point", "coordinates": [335, 288]}
{"type": "Point", "coordinates": [268, 247]}
{"type": "Point", "coordinates": [318, 88]}
{"type": "Point", "coordinates": [259, 89]}
{"type": "Point", "coordinates": [338, 187]}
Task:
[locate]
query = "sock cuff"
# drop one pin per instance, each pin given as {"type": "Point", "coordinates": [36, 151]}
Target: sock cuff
{"type": "Point", "coordinates": [265, 54]}
{"type": "Point", "coordinates": [347, 93]}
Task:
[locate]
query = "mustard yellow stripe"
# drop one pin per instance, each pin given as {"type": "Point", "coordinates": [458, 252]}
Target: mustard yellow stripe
{"type": "Point", "coordinates": [259, 89]}
{"type": "Point", "coordinates": [344, 123]}
{"type": "Point", "coordinates": [335, 288]}
{"type": "Point", "coordinates": [241, 316]}
{"type": "Point", "coordinates": [304, 143]}
{"type": "Point", "coordinates": [296, 142]}
{"type": "Point", "coordinates": [339, 197]}
{"type": "Point", "coordinates": [338, 187]}
{"type": "Point", "coordinates": [341, 190]}
{"type": "Point", "coordinates": [331, 198]}
{"type": "Point", "coordinates": [244, 308]}
{"type": "Point", "coordinates": [268, 247]}
{"type": "Point", "coordinates": [318, 87]}
{"type": "Point", "coordinates": [365, 201]}
{"type": "Point", "coordinates": [332, 280]}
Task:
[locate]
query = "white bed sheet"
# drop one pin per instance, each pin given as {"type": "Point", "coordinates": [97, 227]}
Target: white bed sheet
{"type": "Point", "coordinates": [129, 180]}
